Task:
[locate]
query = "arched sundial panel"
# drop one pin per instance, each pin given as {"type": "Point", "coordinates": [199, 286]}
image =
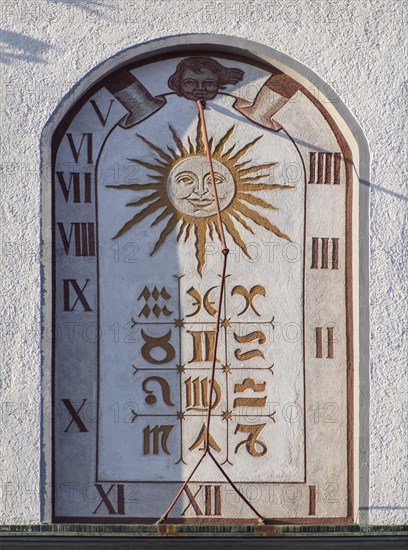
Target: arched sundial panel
{"type": "Point", "coordinates": [136, 277]}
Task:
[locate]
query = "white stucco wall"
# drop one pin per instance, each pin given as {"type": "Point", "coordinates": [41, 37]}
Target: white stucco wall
{"type": "Point", "coordinates": [357, 46]}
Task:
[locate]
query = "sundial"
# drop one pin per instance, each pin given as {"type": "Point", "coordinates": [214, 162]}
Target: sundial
{"type": "Point", "coordinates": [202, 309]}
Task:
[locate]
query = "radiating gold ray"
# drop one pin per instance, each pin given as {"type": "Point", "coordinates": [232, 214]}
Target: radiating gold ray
{"type": "Point", "coordinates": [250, 179]}
{"type": "Point", "coordinates": [226, 155]}
{"type": "Point", "coordinates": [156, 149]}
{"type": "Point", "coordinates": [210, 232]}
{"type": "Point", "coordinates": [217, 229]}
{"type": "Point", "coordinates": [136, 186]}
{"type": "Point", "coordinates": [171, 224]}
{"type": "Point", "coordinates": [181, 230]}
{"type": "Point", "coordinates": [219, 149]}
{"type": "Point", "coordinates": [241, 164]}
{"type": "Point", "coordinates": [199, 232]}
{"type": "Point", "coordinates": [150, 209]}
{"type": "Point", "coordinates": [244, 150]}
{"type": "Point", "coordinates": [260, 220]}
{"type": "Point", "coordinates": [176, 156]}
{"type": "Point", "coordinates": [210, 143]}
{"type": "Point", "coordinates": [200, 149]}
{"type": "Point", "coordinates": [161, 162]}
{"type": "Point", "coordinates": [232, 230]}
{"type": "Point", "coordinates": [190, 146]}
{"type": "Point", "coordinates": [155, 167]}
{"type": "Point", "coordinates": [155, 177]}
{"type": "Point", "coordinates": [241, 220]}
{"type": "Point", "coordinates": [166, 212]}
{"type": "Point", "coordinates": [144, 200]}
{"type": "Point", "coordinates": [256, 201]}
{"type": "Point", "coordinates": [256, 168]}
{"type": "Point", "coordinates": [188, 231]}
{"type": "Point", "coordinates": [178, 142]}
{"type": "Point", "coordinates": [264, 187]}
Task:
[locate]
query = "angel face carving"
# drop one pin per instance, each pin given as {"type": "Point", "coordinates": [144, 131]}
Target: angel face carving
{"type": "Point", "coordinates": [202, 78]}
{"type": "Point", "coordinates": [199, 86]}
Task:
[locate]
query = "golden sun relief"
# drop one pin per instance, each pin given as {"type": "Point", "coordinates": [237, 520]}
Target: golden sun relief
{"type": "Point", "coordinates": [181, 193]}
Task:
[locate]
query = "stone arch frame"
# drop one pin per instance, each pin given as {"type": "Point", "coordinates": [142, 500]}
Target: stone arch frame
{"type": "Point", "coordinates": [355, 138]}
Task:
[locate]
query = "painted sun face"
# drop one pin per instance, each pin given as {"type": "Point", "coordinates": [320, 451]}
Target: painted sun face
{"type": "Point", "coordinates": [179, 193]}
{"type": "Point", "coordinates": [189, 187]}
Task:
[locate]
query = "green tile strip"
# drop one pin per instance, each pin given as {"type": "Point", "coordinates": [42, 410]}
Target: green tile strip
{"type": "Point", "coordinates": [92, 530]}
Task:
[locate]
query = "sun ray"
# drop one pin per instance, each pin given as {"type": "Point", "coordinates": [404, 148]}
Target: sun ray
{"type": "Point", "coordinates": [190, 145]}
{"type": "Point", "coordinates": [257, 168]}
{"type": "Point", "coordinates": [166, 212]}
{"type": "Point", "coordinates": [188, 231]}
{"type": "Point", "coordinates": [244, 150]}
{"type": "Point", "coordinates": [184, 224]}
{"type": "Point", "coordinates": [150, 209]}
{"type": "Point", "coordinates": [239, 166]}
{"type": "Point", "coordinates": [254, 178]}
{"type": "Point", "coordinates": [200, 149]}
{"type": "Point", "coordinates": [241, 220]}
{"type": "Point", "coordinates": [260, 220]}
{"type": "Point", "coordinates": [256, 201]}
{"type": "Point", "coordinates": [156, 149]}
{"type": "Point", "coordinates": [144, 200]}
{"type": "Point", "coordinates": [226, 155]}
{"type": "Point", "coordinates": [232, 230]}
{"type": "Point", "coordinates": [161, 162]}
{"type": "Point", "coordinates": [159, 179]}
{"type": "Point", "coordinates": [176, 156]}
{"type": "Point", "coordinates": [199, 233]}
{"type": "Point", "coordinates": [264, 187]}
{"type": "Point", "coordinates": [171, 224]}
{"type": "Point", "coordinates": [155, 167]}
{"type": "Point", "coordinates": [136, 186]}
{"type": "Point", "coordinates": [182, 149]}
{"type": "Point", "coordinates": [217, 229]}
{"type": "Point", "coordinates": [219, 149]}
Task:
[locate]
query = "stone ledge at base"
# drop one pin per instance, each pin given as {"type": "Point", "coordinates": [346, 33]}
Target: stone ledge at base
{"type": "Point", "coordinates": [221, 537]}
{"type": "Point", "coordinates": [181, 530]}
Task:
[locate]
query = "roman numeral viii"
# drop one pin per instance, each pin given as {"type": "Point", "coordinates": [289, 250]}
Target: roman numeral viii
{"type": "Point", "coordinates": [83, 237]}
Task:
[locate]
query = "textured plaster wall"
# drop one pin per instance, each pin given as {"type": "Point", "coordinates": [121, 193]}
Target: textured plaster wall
{"type": "Point", "coordinates": [357, 46]}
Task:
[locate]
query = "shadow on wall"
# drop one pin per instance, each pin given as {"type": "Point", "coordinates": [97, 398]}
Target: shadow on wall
{"type": "Point", "coordinates": [376, 187]}
{"type": "Point", "coordinates": [101, 8]}
{"type": "Point", "coordinates": [16, 46]}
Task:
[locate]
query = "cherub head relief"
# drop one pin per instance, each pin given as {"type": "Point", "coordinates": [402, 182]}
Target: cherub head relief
{"type": "Point", "coordinates": [202, 78]}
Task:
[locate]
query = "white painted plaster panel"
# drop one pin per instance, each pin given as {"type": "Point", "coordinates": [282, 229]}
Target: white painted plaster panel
{"type": "Point", "coordinates": [357, 46]}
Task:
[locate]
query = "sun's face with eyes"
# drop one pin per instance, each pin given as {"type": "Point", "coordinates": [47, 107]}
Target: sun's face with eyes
{"type": "Point", "coordinates": [180, 192]}
{"type": "Point", "coordinates": [189, 187]}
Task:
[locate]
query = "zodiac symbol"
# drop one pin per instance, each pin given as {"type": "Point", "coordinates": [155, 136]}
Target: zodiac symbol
{"type": "Point", "coordinates": [161, 342]}
{"type": "Point", "coordinates": [202, 302]}
{"type": "Point", "coordinates": [155, 294]}
{"type": "Point", "coordinates": [248, 296]}
{"type": "Point", "coordinates": [151, 399]}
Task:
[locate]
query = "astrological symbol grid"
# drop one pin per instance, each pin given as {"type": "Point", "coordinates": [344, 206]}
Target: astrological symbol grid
{"type": "Point", "coordinates": [193, 394]}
